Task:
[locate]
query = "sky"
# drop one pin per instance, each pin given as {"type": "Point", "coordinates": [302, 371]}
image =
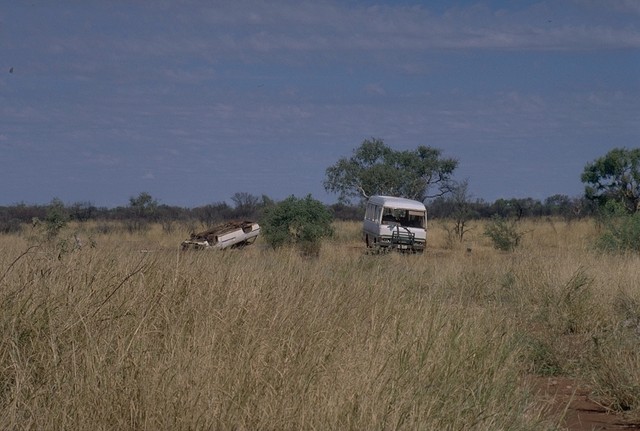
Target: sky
{"type": "Point", "coordinates": [194, 101]}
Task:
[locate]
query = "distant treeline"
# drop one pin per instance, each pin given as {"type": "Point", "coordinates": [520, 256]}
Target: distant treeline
{"type": "Point", "coordinates": [245, 206]}
{"type": "Point", "coordinates": [558, 205]}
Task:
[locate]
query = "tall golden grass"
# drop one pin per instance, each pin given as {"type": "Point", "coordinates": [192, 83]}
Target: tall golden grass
{"type": "Point", "coordinates": [128, 332]}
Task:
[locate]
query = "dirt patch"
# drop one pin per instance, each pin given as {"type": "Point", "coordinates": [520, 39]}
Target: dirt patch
{"type": "Point", "coordinates": [571, 400]}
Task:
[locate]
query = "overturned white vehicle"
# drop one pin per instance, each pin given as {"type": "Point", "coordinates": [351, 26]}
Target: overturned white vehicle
{"type": "Point", "coordinates": [395, 223]}
{"type": "Point", "coordinates": [226, 235]}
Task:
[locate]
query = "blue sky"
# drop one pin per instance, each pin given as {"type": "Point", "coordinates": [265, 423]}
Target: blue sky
{"type": "Point", "coordinates": [193, 101]}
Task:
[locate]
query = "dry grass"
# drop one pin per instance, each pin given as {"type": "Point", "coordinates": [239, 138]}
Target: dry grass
{"type": "Point", "coordinates": [110, 337]}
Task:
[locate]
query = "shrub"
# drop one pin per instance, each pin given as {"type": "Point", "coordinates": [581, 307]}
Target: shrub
{"type": "Point", "coordinates": [620, 230]}
{"type": "Point", "coordinates": [301, 222]}
{"type": "Point", "coordinates": [504, 233]}
{"type": "Point", "coordinates": [56, 219]}
{"type": "Point", "coordinates": [615, 369]}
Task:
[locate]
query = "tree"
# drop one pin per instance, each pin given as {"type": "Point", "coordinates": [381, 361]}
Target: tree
{"type": "Point", "coordinates": [143, 209]}
{"type": "Point", "coordinates": [56, 219]}
{"type": "Point", "coordinates": [614, 176]}
{"type": "Point", "coordinates": [82, 211]}
{"type": "Point", "coordinates": [558, 205]}
{"type": "Point", "coordinates": [376, 168]}
{"type": "Point", "coordinates": [245, 204]}
{"type": "Point", "coordinates": [461, 211]}
{"type": "Point", "coordinates": [213, 213]}
{"type": "Point", "coordinates": [144, 205]}
{"type": "Point", "coordinates": [302, 222]}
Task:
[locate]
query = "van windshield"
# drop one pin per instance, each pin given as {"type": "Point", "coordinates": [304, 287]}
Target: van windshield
{"type": "Point", "coordinates": [403, 217]}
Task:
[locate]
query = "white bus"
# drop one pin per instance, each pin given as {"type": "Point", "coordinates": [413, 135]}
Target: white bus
{"type": "Point", "coordinates": [398, 223]}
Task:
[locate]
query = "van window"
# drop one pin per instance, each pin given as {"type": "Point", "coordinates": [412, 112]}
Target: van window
{"type": "Point", "coordinates": [389, 215]}
{"type": "Point", "coordinates": [403, 217]}
{"type": "Point", "coordinates": [415, 219]}
{"type": "Point", "coordinates": [372, 213]}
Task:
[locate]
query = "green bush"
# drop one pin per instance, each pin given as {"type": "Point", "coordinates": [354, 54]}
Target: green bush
{"type": "Point", "coordinates": [504, 233]}
{"type": "Point", "coordinates": [56, 219]}
{"type": "Point", "coordinates": [620, 230]}
{"type": "Point", "coordinates": [301, 222]}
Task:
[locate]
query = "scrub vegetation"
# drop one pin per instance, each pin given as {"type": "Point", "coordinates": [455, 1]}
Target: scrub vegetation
{"type": "Point", "coordinates": [123, 330]}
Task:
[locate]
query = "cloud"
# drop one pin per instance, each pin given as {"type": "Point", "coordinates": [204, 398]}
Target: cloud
{"type": "Point", "coordinates": [298, 33]}
{"type": "Point", "coordinates": [622, 6]}
{"type": "Point", "coordinates": [105, 160]}
{"type": "Point", "coordinates": [318, 27]}
{"type": "Point", "coordinates": [192, 91]}
{"type": "Point", "coordinates": [375, 89]}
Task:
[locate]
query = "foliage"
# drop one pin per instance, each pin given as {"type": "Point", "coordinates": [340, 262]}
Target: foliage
{"type": "Point", "coordinates": [376, 168]}
{"type": "Point", "coordinates": [213, 213]}
{"type": "Point", "coordinates": [342, 211]}
{"type": "Point", "coordinates": [504, 233]}
{"type": "Point", "coordinates": [461, 211]}
{"type": "Point", "coordinates": [245, 204]}
{"type": "Point", "coordinates": [560, 205]}
{"type": "Point", "coordinates": [621, 230]}
{"type": "Point", "coordinates": [82, 211]}
{"type": "Point", "coordinates": [248, 206]}
{"type": "Point", "coordinates": [303, 222]}
{"type": "Point", "coordinates": [15, 218]}
{"type": "Point", "coordinates": [143, 209]}
{"type": "Point", "coordinates": [615, 176]}
{"type": "Point", "coordinates": [56, 219]}
{"type": "Point", "coordinates": [143, 205]}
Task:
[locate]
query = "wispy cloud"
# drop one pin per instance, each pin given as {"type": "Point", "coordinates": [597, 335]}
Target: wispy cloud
{"type": "Point", "coordinates": [255, 30]}
{"type": "Point", "coordinates": [192, 92]}
{"type": "Point", "coordinates": [375, 89]}
{"type": "Point", "coordinates": [415, 28]}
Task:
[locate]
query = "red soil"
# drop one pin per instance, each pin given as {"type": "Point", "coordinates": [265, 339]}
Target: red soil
{"type": "Point", "coordinates": [572, 401]}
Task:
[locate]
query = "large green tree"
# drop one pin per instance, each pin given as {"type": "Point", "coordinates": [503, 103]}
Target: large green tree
{"type": "Point", "coordinates": [615, 176]}
{"type": "Point", "coordinates": [302, 222]}
{"type": "Point", "coordinates": [375, 168]}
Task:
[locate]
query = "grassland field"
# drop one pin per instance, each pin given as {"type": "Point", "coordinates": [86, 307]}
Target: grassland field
{"type": "Point", "coordinates": [128, 332]}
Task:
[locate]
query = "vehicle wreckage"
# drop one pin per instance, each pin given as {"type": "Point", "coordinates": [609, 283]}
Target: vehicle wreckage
{"type": "Point", "coordinates": [226, 235]}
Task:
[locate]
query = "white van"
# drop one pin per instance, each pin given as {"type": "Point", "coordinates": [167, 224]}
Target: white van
{"type": "Point", "coordinates": [394, 222]}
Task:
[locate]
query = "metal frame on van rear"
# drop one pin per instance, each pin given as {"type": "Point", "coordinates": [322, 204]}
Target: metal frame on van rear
{"type": "Point", "coordinates": [395, 223]}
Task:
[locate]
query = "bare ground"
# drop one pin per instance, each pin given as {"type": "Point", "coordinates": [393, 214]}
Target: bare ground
{"type": "Point", "coordinates": [573, 401]}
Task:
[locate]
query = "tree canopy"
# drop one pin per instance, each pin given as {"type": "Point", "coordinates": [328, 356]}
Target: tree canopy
{"type": "Point", "coordinates": [296, 221]}
{"type": "Point", "coordinates": [615, 176]}
{"type": "Point", "coordinates": [375, 168]}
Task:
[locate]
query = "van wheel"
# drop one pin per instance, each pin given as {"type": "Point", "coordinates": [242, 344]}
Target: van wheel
{"type": "Point", "coordinates": [367, 241]}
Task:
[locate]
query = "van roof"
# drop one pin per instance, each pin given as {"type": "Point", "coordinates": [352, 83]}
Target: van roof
{"type": "Point", "coordinates": [396, 202]}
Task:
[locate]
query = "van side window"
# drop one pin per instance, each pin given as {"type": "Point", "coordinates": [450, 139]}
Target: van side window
{"type": "Point", "coordinates": [378, 212]}
{"type": "Point", "coordinates": [371, 212]}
